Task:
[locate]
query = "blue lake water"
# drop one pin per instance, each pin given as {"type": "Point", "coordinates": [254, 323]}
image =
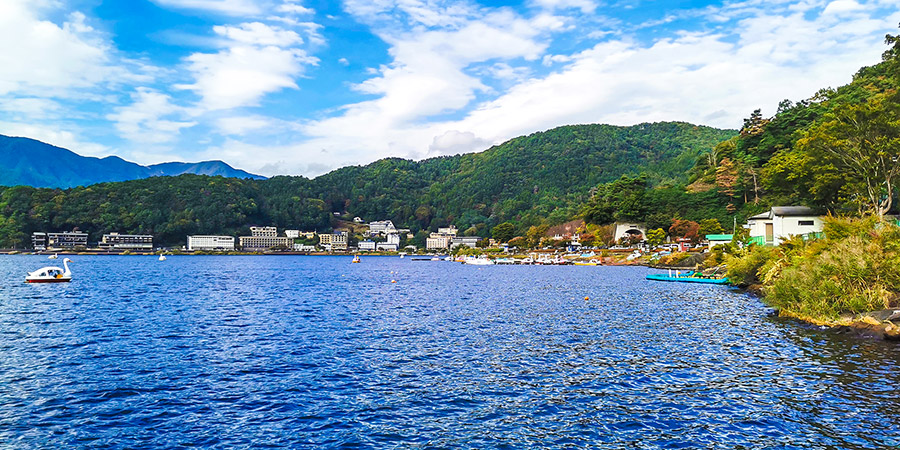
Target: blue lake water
{"type": "Point", "coordinates": [315, 352]}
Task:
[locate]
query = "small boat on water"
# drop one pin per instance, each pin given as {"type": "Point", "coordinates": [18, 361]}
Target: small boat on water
{"type": "Point", "coordinates": [479, 261]}
{"type": "Point", "coordinates": [686, 277]}
{"type": "Point", "coordinates": [51, 274]}
{"type": "Point", "coordinates": [53, 256]}
{"type": "Point", "coordinates": [592, 262]}
{"type": "Point", "coordinates": [355, 259]}
{"type": "Point", "coordinates": [162, 257]}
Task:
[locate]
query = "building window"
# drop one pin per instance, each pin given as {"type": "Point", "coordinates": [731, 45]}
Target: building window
{"type": "Point", "coordinates": [807, 223]}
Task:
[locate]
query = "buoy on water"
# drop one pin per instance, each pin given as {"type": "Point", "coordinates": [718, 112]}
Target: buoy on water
{"type": "Point", "coordinates": [586, 298]}
{"type": "Point", "coordinates": [393, 281]}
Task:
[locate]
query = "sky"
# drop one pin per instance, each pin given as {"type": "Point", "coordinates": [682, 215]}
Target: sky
{"type": "Point", "coordinates": [302, 87]}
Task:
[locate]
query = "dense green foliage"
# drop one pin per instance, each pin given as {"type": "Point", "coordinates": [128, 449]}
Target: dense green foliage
{"type": "Point", "coordinates": [855, 269]}
{"type": "Point", "coordinates": [538, 179]}
{"type": "Point", "coordinates": [167, 207]}
{"type": "Point", "coordinates": [838, 151]}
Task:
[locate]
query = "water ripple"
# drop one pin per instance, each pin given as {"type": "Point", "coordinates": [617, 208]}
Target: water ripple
{"type": "Point", "coordinates": [303, 352]}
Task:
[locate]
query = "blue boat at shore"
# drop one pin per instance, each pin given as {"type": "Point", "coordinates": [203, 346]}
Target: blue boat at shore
{"type": "Point", "coordinates": [687, 277]}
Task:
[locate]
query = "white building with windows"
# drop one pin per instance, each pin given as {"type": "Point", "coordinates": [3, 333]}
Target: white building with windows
{"type": "Point", "coordinates": [438, 241]}
{"type": "Point", "coordinates": [116, 241]}
{"type": "Point", "coordinates": [264, 238]}
{"type": "Point", "coordinates": [774, 226]}
{"type": "Point", "coordinates": [334, 241]}
{"type": "Point", "coordinates": [210, 243]}
{"type": "Point", "coordinates": [468, 241]}
{"type": "Point", "coordinates": [387, 247]}
{"type": "Point", "coordinates": [293, 234]}
{"type": "Point", "coordinates": [382, 227]}
{"type": "Point", "coordinates": [450, 231]}
{"type": "Point", "coordinates": [366, 246]}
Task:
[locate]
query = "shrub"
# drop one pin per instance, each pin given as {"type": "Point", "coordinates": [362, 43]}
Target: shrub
{"type": "Point", "coordinates": [744, 268]}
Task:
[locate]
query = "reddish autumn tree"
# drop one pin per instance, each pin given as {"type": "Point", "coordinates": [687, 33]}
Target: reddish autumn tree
{"type": "Point", "coordinates": [686, 229]}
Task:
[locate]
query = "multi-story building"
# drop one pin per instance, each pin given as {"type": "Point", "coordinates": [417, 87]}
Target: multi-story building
{"type": "Point", "coordinates": [334, 241]}
{"type": "Point", "coordinates": [116, 241]}
{"type": "Point", "coordinates": [67, 239]}
{"type": "Point", "coordinates": [450, 231]}
{"type": "Point", "coordinates": [263, 231]}
{"type": "Point", "coordinates": [39, 240]}
{"type": "Point", "coordinates": [387, 247]}
{"type": "Point", "coordinates": [210, 243]}
{"type": "Point", "coordinates": [366, 246]}
{"type": "Point", "coordinates": [293, 234]}
{"type": "Point", "coordinates": [438, 241]}
{"type": "Point", "coordinates": [468, 241]}
{"type": "Point", "coordinates": [304, 248]}
{"type": "Point", "coordinates": [393, 238]}
{"type": "Point", "coordinates": [382, 227]}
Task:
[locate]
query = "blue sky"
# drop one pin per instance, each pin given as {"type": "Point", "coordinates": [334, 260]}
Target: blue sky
{"type": "Point", "coordinates": [302, 87]}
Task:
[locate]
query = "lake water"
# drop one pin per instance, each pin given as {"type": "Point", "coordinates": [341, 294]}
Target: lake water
{"type": "Point", "coordinates": [315, 352]}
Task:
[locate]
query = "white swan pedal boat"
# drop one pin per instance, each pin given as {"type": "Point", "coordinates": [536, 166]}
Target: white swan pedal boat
{"type": "Point", "coordinates": [51, 274]}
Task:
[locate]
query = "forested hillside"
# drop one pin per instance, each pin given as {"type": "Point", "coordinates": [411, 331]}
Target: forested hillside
{"type": "Point", "coordinates": [541, 178]}
{"type": "Point", "coordinates": [836, 152]}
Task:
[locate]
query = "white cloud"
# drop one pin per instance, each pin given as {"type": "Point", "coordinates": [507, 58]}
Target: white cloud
{"type": "Point", "coordinates": [707, 78]}
{"type": "Point", "coordinates": [43, 58]}
{"type": "Point", "coordinates": [31, 108]}
{"type": "Point", "coordinates": [143, 121]}
{"type": "Point", "coordinates": [454, 142]}
{"type": "Point", "coordinates": [54, 136]}
{"type": "Point", "coordinates": [294, 8]}
{"type": "Point", "coordinates": [586, 6]}
{"type": "Point", "coordinates": [256, 33]}
{"type": "Point", "coordinates": [227, 7]}
{"type": "Point", "coordinates": [259, 60]}
{"type": "Point", "coordinates": [240, 125]}
{"type": "Point", "coordinates": [842, 6]}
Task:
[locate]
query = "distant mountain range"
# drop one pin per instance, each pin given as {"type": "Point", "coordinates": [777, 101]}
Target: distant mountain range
{"type": "Point", "coordinates": [25, 161]}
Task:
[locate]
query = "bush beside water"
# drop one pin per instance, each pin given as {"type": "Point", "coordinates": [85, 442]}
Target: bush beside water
{"type": "Point", "coordinates": [854, 269]}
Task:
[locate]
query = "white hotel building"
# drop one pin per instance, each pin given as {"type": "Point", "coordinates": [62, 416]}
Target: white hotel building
{"type": "Point", "coordinates": [210, 243]}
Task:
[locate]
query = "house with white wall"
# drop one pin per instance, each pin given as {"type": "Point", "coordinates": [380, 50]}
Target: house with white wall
{"type": "Point", "coordinates": [774, 226]}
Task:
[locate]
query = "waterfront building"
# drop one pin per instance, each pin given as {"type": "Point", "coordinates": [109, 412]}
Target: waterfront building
{"type": "Point", "coordinates": [334, 241]}
{"type": "Point", "coordinates": [438, 241]}
{"type": "Point", "coordinates": [39, 240]}
{"type": "Point", "coordinates": [468, 241]}
{"type": "Point", "coordinates": [304, 248]}
{"type": "Point", "coordinates": [263, 243]}
{"type": "Point", "coordinates": [774, 226]}
{"type": "Point", "coordinates": [393, 239]}
{"type": "Point", "coordinates": [67, 240]}
{"type": "Point", "coordinates": [366, 246]}
{"type": "Point", "coordinates": [116, 241]}
{"type": "Point", "coordinates": [210, 243]}
{"type": "Point", "coordinates": [387, 247]}
{"type": "Point", "coordinates": [293, 234]}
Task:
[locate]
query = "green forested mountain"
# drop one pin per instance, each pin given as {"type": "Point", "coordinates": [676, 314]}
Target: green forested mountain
{"type": "Point", "coordinates": [836, 152]}
{"type": "Point", "coordinates": [529, 179]}
{"type": "Point", "coordinates": [543, 177]}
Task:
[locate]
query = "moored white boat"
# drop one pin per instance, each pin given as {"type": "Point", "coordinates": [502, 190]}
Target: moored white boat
{"type": "Point", "coordinates": [51, 274]}
{"type": "Point", "coordinates": [479, 261]}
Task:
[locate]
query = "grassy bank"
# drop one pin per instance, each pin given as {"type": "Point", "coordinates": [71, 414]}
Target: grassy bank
{"type": "Point", "coordinates": [835, 280]}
